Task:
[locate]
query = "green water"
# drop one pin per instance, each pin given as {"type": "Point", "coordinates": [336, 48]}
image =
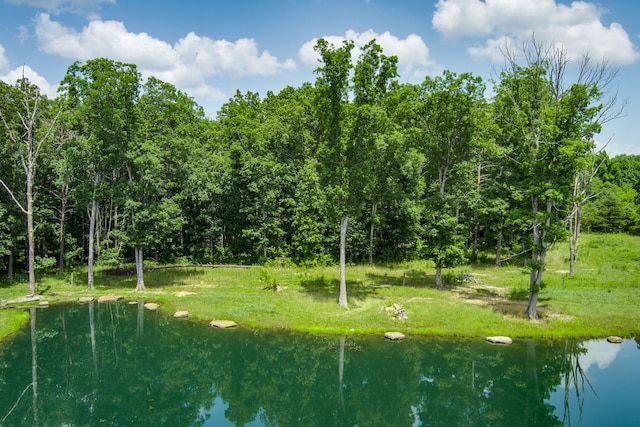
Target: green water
{"type": "Point", "coordinates": [121, 365]}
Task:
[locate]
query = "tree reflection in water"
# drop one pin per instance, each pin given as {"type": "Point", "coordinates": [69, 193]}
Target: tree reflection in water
{"type": "Point", "coordinates": [115, 364]}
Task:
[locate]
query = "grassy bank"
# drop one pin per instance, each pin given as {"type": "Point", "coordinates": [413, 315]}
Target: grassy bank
{"type": "Point", "coordinates": [600, 299]}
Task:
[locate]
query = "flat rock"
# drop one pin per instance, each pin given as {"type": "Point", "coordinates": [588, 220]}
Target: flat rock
{"type": "Point", "coordinates": [223, 324]}
{"type": "Point", "coordinates": [614, 339]}
{"type": "Point", "coordinates": [24, 299]}
{"type": "Point", "coordinates": [85, 299]}
{"type": "Point", "coordinates": [394, 336]}
{"type": "Point", "coordinates": [181, 314]}
{"type": "Point", "coordinates": [110, 298]}
{"type": "Point", "coordinates": [500, 340]}
{"type": "Point", "coordinates": [43, 303]}
{"type": "Point", "coordinates": [152, 306]}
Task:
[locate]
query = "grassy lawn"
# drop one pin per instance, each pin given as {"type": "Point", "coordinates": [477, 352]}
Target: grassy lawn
{"type": "Point", "coordinates": [601, 299]}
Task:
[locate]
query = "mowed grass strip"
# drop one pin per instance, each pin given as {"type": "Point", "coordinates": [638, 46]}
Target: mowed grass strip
{"type": "Point", "coordinates": [600, 299]}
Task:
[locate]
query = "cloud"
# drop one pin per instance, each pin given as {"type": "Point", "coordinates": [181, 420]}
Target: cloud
{"type": "Point", "coordinates": [12, 76]}
{"type": "Point", "coordinates": [187, 64]}
{"type": "Point", "coordinates": [413, 54]}
{"type": "Point", "coordinates": [577, 27]}
{"type": "Point", "coordinates": [103, 38]}
{"type": "Point", "coordinates": [237, 58]}
{"type": "Point", "coordinates": [4, 62]}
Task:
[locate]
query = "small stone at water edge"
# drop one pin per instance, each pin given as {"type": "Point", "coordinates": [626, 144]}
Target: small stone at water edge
{"type": "Point", "coordinates": [109, 298]}
{"type": "Point", "coordinates": [151, 306]}
{"type": "Point", "coordinates": [85, 299]}
{"type": "Point", "coordinates": [500, 340]}
{"type": "Point", "coordinates": [181, 314]}
{"type": "Point", "coordinates": [394, 336]}
{"type": "Point", "coordinates": [223, 324]}
{"type": "Point", "coordinates": [614, 340]}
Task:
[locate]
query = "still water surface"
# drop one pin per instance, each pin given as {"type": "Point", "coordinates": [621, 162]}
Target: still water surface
{"type": "Point", "coordinates": [120, 365]}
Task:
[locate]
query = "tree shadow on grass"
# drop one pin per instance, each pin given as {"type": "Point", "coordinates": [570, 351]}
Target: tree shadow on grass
{"type": "Point", "coordinates": [512, 304]}
{"type": "Point", "coordinates": [412, 278]}
{"type": "Point", "coordinates": [324, 289]}
{"type": "Point", "coordinates": [126, 278]}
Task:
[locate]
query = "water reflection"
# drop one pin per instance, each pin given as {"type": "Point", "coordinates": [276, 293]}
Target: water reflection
{"type": "Point", "coordinates": [115, 364]}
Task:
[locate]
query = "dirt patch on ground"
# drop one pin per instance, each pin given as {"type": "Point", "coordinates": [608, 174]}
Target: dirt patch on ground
{"type": "Point", "coordinates": [491, 296]}
{"type": "Point", "coordinates": [184, 293]}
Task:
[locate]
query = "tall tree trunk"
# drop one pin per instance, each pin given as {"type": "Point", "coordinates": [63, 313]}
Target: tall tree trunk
{"type": "Point", "coordinates": [538, 257]}
{"type": "Point", "coordinates": [137, 252]}
{"type": "Point", "coordinates": [574, 237]}
{"type": "Point", "coordinates": [30, 236]}
{"type": "Point", "coordinates": [342, 300]}
{"type": "Point", "coordinates": [535, 276]}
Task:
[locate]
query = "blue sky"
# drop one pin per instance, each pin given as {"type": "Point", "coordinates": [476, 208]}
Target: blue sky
{"type": "Point", "coordinates": [210, 49]}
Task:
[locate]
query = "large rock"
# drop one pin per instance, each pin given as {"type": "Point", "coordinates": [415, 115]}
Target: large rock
{"type": "Point", "coordinates": [394, 336]}
{"type": "Point", "coordinates": [223, 324]}
{"type": "Point", "coordinates": [500, 340]}
{"type": "Point", "coordinates": [109, 298]}
{"type": "Point", "coordinates": [181, 314]}
{"type": "Point", "coordinates": [151, 306]}
{"type": "Point", "coordinates": [614, 339]}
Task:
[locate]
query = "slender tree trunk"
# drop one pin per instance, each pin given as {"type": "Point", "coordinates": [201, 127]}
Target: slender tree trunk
{"type": "Point", "coordinates": [538, 257]}
{"type": "Point", "coordinates": [139, 269]}
{"type": "Point", "coordinates": [574, 237]}
{"type": "Point", "coordinates": [31, 241]}
{"type": "Point", "coordinates": [342, 300]}
{"type": "Point", "coordinates": [535, 278]}
{"type": "Point", "coordinates": [92, 230]}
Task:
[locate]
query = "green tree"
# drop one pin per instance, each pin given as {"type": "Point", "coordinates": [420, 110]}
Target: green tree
{"type": "Point", "coordinates": [449, 136]}
{"type": "Point", "coordinates": [28, 130]}
{"type": "Point", "coordinates": [101, 94]}
{"type": "Point", "coordinates": [332, 98]}
{"type": "Point", "coordinates": [349, 129]}
{"type": "Point", "coordinates": [550, 126]}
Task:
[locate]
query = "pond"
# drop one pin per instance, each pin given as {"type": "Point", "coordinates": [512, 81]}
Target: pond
{"type": "Point", "coordinates": [118, 364]}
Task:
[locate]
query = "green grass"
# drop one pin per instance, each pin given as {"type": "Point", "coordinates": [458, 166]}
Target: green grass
{"type": "Point", "coordinates": [600, 299]}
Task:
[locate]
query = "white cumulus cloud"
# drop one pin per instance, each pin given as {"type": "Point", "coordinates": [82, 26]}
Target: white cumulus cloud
{"type": "Point", "coordinates": [577, 27]}
{"type": "Point", "coordinates": [412, 52]}
{"type": "Point", "coordinates": [11, 76]}
{"type": "Point", "coordinates": [186, 64]}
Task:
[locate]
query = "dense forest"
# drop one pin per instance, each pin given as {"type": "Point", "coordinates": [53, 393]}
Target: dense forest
{"type": "Point", "coordinates": [354, 167]}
